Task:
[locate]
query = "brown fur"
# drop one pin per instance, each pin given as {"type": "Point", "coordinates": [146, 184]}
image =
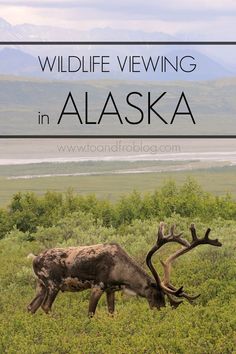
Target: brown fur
{"type": "Point", "coordinates": [102, 268]}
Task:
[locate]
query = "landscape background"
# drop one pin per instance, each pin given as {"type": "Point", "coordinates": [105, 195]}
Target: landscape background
{"type": "Point", "coordinates": [64, 192]}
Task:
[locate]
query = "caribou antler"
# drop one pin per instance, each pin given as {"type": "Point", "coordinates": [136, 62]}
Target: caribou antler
{"type": "Point", "coordinates": [165, 284]}
{"type": "Point", "coordinates": [161, 240]}
{"type": "Point", "coordinates": [188, 247]}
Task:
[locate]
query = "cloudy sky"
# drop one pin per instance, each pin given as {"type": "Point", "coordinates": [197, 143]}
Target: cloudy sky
{"type": "Point", "coordinates": [206, 19]}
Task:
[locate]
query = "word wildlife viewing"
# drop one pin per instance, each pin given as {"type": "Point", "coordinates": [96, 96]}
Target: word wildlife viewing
{"type": "Point", "coordinates": [141, 107]}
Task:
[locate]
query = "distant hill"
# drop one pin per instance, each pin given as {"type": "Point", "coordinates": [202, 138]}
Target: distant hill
{"type": "Point", "coordinates": [36, 32]}
{"type": "Point", "coordinates": [212, 103]}
{"type": "Point", "coordinates": [23, 62]}
{"type": "Point", "coordinates": [206, 69]}
{"type": "Point", "coordinates": [17, 62]}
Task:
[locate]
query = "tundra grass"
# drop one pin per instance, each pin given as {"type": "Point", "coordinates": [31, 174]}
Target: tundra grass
{"type": "Point", "coordinates": [216, 180]}
{"type": "Point", "coordinates": [208, 326]}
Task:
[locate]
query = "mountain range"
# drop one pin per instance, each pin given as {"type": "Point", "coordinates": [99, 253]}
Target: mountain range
{"type": "Point", "coordinates": [22, 60]}
{"type": "Point", "coordinates": [29, 32]}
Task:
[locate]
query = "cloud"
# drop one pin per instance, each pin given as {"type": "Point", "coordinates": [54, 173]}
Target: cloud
{"type": "Point", "coordinates": [138, 8]}
{"type": "Point", "coordinates": [201, 17]}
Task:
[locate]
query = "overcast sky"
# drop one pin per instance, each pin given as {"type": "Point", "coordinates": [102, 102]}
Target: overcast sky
{"type": "Point", "coordinates": [212, 19]}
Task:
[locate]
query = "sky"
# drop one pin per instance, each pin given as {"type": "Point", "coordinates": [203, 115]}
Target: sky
{"type": "Point", "coordinates": [206, 19]}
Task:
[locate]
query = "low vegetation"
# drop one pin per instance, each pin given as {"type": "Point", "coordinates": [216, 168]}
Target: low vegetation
{"type": "Point", "coordinates": [32, 223]}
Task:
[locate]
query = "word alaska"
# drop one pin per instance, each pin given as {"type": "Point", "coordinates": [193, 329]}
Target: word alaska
{"type": "Point", "coordinates": [141, 108]}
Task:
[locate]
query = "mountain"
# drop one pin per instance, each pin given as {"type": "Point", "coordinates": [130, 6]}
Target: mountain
{"type": "Point", "coordinates": [36, 32]}
{"type": "Point", "coordinates": [14, 61]}
{"type": "Point", "coordinates": [7, 32]}
{"type": "Point", "coordinates": [4, 24]}
{"type": "Point", "coordinates": [206, 67]}
{"type": "Point", "coordinates": [19, 63]}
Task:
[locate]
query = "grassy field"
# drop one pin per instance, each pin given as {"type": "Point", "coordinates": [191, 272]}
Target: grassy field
{"type": "Point", "coordinates": [216, 180]}
{"type": "Point", "coordinates": [206, 327]}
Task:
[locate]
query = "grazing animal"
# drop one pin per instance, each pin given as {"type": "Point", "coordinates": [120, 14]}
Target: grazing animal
{"type": "Point", "coordinates": [106, 268]}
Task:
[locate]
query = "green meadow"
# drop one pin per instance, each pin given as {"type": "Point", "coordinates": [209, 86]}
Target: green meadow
{"type": "Point", "coordinates": [43, 212]}
{"type": "Point", "coordinates": [113, 179]}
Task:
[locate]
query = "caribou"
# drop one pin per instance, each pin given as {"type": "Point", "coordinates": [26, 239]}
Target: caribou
{"type": "Point", "coordinates": [107, 268]}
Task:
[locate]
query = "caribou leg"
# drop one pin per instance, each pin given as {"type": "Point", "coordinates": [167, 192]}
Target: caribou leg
{"type": "Point", "coordinates": [49, 299]}
{"type": "Point", "coordinates": [39, 298]}
{"type": "Point", "coordinates": [110, 300]}
{"type": "Point", "coordinates": [95, 296]}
